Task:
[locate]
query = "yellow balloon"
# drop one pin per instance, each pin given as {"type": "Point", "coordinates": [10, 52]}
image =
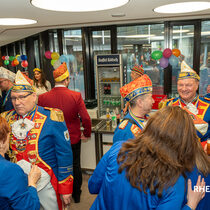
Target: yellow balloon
{"type": "Point", "coordinates": [17, 56]}
{"type": "Point", "coordinates": [55, 56]}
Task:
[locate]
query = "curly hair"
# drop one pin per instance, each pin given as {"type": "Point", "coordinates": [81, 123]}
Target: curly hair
{"type": "Point", "coordinates": [43, 80]}
{"type": "Point", "coordinates": [166, 148]}
{"type": "Point", "coordinates": [4, 129]}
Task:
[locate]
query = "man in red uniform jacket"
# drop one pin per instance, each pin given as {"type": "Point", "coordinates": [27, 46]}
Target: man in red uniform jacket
{"type": "Point", "coordinates": [73, 107]}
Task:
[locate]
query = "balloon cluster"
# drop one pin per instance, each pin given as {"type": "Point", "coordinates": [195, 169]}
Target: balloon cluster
{"type": "Point", "coordinates": [166, 57]}
{"type": "Point", "coordinates": [56, 59]}
{"type": "Point", "coordinates": [15, 60]}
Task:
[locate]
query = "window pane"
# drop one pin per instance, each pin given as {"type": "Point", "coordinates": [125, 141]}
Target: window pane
{"type": "Point", "coordinates": [101, 42]}
{"type": "Point", "coordinates": [22, 48]}
{"type": "Point", "coordinates": [136, 43]}
{"type": "Point", "coordinates": [101, 45]}
{"type": "Point", "coordinates": [205, 57]}
{"type": "Point", "coordinates": [182, 39]}
{"type": "Point", "coordinates": [22, 52]}
{"type": "Point", "coordinates": [53, 39]}
{"type": "Point", "coordinates": [36, 53]}
{"type": "Point", "coordinates": [74, 59]}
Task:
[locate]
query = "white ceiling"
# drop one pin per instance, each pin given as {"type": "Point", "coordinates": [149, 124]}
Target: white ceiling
{"type": "Point", "coordinates": [136, 11]}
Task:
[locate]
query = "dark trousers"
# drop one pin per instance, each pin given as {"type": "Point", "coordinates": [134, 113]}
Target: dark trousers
{"type": "Point", "coordinates": [77, 172]}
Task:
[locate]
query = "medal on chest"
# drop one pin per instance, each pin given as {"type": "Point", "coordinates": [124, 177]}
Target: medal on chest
{"type": "Point", "coordinates": [20, 129]}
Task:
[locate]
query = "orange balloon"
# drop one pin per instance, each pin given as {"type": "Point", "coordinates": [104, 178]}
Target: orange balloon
{"type": "Point", "coordinates": [16, 62]}
{"type": "Point", "coordinates": [176, 52]}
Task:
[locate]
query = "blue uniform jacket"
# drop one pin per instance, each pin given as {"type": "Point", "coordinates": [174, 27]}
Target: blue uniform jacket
{"type": "Point", "coordinates": [126, 130]}
{"type": "Point", "coordinates": [204, 204]}
{"type": "Point", "coordinates": [14, 190]}
{"type": "Point", "coordinates": [7, 102]}
{"type": "Point", "coordinates": [115, 192]}
{"type": "Point", "coordinates": [207, 96]}
{"type": "Point", "coordinates": [50, 138]}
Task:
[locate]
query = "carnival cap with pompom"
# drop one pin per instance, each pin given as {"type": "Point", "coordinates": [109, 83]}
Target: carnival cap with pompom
{"type": "Point", "coordinates": [139, 86]}
{"type": "Point", "coordinates": [138, 69]}
{"type": "Point", "coordinates": [61, 73]}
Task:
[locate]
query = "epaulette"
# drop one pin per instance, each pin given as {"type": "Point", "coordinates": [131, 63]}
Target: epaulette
{"type": "Point", "coordinates": [7, 114]}
{"type": "Point", "coordinates": [206, 98]}
{"type": "Point", "coordinates": [4, 114]}
{"type": "Point", "coordinates": [135, 130]}
{"type": "Point", "coordinates": [55, 114]}
{"type": "Point", "coordinates": [123, 124]}
{"type": "Point", "coordinates": [164, 102]}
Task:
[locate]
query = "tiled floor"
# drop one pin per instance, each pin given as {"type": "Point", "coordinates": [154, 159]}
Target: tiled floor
{"type": "Point", "coordinates": [86, 198]}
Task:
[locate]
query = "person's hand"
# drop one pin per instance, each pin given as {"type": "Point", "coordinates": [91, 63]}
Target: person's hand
{"type": "Point", "coordinates": [125, 110]}
{"type": "Point", "coordinates": [66, 198]}
{"type": "Point", "coordinates": [84, 137]}
{"type": "Point", "coordinates": [126, 107]}
{"type": "Point", "coordinates": [194, 196]}
{"type": "Point", "coordinates": [34, 176]}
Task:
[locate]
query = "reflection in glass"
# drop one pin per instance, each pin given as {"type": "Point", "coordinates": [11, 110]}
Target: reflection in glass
{"type": "Point", "coordinates": [53, 39]}
{"type": "Point", "coordinates": [204, 58]}
{"type": "Point", "coordinates": [36, 53]}
{"type": "Point", "coordinates": [101, 45]}
{"type": "Point", "coordinates": [73, 58]}
{"type": "Point", "coordinates": [136, 43]}
{"type": "Point", "coordinates": [22, 51]}
{"type": "Point", "coordinates": [182, 39]}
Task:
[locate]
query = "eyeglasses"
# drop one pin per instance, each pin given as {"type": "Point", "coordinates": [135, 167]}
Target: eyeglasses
{"type": "Point", "coordinates": [22, 98]}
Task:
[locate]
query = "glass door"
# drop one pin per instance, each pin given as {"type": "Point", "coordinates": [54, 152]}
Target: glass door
{"type": "Point", "coordinates": [101, 40]}
{"type": "Point", "coordinates": [136, 43]}
{"type": "Point", "coordinates": [205, 58]}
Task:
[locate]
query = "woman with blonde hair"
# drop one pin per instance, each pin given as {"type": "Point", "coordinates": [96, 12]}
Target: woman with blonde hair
{"type": "Point", "coordinates": [17, 191]}
{"type": "Point", "coordinates": [150, 172]}
{"type": "Point", "coordinates": [41, 84]}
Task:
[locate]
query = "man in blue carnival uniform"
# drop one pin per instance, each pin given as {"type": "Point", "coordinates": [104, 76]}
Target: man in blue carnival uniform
{"type": "Point", "coordinates": [139, 94]}
{"type": "Point", "coordinates": [6, 83]}
{"type": "Point", "coordinates": [197, 106]}
{"type": "Point", "coordinates": [40, 136]}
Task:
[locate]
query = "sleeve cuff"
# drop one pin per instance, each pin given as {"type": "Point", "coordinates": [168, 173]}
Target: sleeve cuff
{"type": "Point", "coordinates": [66, 186]}
{"type": "Point", "coordinates": [186, 207]}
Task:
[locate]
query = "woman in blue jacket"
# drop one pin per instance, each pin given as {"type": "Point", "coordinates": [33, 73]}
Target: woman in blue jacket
{"type": "Point", "coordinates": [17, 191]}
{"type": "Point", "coordinates": [149, 172]}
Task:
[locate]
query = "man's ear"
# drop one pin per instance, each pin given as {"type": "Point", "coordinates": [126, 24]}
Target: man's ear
{"type": "Point", "coordinates": [67, 82]}
{"type": "Point", "coordinates": [197, 83]}
{"type": "Point", "coordinates": [139, 102]}
{"type": "Point", "coordinates": [34, 97]}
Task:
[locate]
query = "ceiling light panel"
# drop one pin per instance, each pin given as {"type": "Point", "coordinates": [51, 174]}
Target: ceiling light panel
{"type": "Point", "coordinates": [183, 7]}
{"type": "Point", "coordinates": [78, 5]}
{"type": "Point", "coordinates": [16, 21]}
